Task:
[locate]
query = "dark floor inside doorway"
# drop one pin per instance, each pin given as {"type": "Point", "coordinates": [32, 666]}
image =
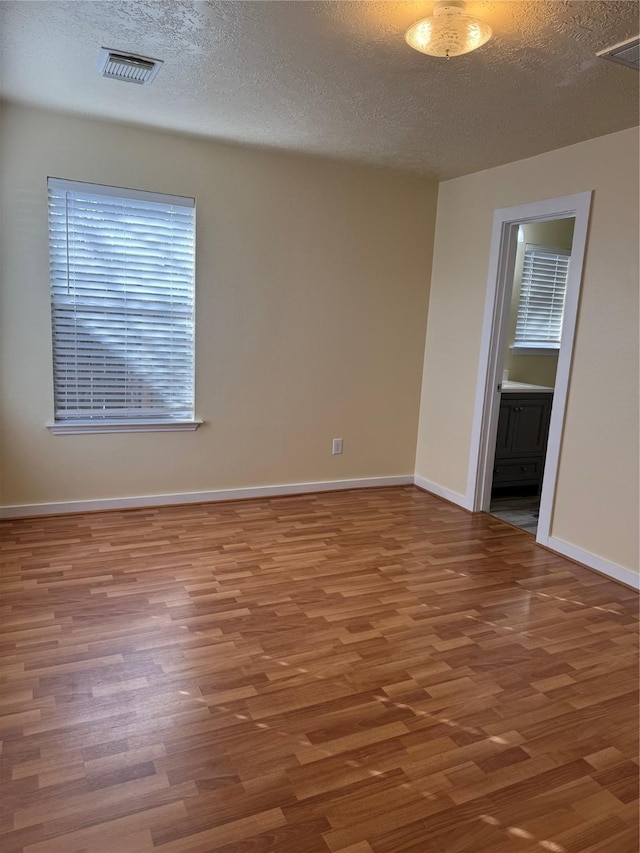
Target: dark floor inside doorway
{"type": "Point", "coordinates": [519, 510]}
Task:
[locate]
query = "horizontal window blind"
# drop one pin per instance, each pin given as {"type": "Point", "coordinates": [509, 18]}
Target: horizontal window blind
{"type": "Point", "coordinates": [122, 292]}
{"type": "Point", "coordinates": [542, 295]}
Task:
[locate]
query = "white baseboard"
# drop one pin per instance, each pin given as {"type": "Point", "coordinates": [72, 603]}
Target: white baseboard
{"type": "Point", "coordinates": [592, 561]}
{"type": "Point", "coordinates": [62, 507]}
{"type": "Point", "coordinates": [441, 492]}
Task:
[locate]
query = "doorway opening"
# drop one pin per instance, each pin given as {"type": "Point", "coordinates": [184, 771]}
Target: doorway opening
{"type": "Point", "coordinates": [535, 271]}
{"type": "Point", "coordinates": [529, 367]}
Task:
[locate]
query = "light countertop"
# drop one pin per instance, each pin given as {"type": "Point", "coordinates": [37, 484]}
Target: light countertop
{"type": "Point", "coordinates": [511, 387]}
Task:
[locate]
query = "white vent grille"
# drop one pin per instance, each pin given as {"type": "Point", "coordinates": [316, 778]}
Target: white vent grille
{"type": "Point", "coordinates": [626, 53]}
{"type": "Point", "coordinates": [127, 67]}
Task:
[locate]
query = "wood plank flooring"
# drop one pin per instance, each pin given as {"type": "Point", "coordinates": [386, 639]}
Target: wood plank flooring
{"type": "Point", "coordinates": [372, 671]}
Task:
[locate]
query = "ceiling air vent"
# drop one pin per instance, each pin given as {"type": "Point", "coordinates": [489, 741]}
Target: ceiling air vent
{"type": "Point", "coordinates": [127, 67]}
{"type": "Point", "coordinates": [626, 53]}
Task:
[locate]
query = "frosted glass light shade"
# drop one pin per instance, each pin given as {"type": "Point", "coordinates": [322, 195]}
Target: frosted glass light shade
{"type": "Point", "coordinates": [450, 32]}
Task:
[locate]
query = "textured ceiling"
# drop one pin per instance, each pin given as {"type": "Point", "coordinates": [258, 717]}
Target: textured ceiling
{"type": "Point", "coordinates": [335, 78]}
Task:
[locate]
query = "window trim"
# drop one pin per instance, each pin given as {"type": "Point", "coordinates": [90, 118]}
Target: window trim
{"type": "Point", "coordinates": [120, 192]}
{"type": "Point", "coordinates": [89, 425]}
{"type": "Point", "coordinates": [86, 427]}
{"type": "Point", "coordinates": [527, 349]}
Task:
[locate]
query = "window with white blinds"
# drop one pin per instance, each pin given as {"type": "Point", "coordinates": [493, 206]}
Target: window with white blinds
{"type": "Point", "coordinates": [122, 293]}
{"type": "Point", "coordinates": [542, 295]}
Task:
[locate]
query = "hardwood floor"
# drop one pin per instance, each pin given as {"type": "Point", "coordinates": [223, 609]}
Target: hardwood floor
{"type": "Point", "coordinates": [371, 671]}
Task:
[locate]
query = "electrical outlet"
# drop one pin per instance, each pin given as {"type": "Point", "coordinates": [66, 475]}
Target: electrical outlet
{"type": "Point", "coordinates": [336, 446]}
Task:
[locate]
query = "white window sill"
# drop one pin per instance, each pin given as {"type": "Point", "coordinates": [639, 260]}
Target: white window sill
{"type": "Point", "coordinates": [523, 349]}
{"type": "Point", "coordinates": [90, 426]}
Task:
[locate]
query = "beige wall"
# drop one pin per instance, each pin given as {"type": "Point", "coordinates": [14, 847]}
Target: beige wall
{"type": "Point", "coordinates": [535, 369]}
{"type": "Point", "coordinates": [596, 505]}
{"type": "Point", "coordinates": [312, 293]}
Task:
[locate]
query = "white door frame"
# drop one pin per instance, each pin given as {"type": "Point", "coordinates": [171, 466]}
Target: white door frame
{"type": "Point", "coordinates": [506, 222]}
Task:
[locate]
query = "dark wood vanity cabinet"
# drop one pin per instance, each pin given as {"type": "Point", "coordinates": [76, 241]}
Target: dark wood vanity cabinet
{"type": "Point", "coordinates": [523, 429]}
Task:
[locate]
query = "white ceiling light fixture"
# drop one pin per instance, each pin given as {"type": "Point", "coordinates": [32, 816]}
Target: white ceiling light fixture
{"type": "Point", "coordinates": [449, 32]}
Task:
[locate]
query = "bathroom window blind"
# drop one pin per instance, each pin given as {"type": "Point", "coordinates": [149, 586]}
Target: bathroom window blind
{"type": "Point", "coordinates": [542, 295]}
{"type": "Point", "coordinates": [122, 292]}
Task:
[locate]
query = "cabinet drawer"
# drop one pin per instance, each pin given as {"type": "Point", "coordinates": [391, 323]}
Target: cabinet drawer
{"type": "Point", "coordinates": [525, 470]}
